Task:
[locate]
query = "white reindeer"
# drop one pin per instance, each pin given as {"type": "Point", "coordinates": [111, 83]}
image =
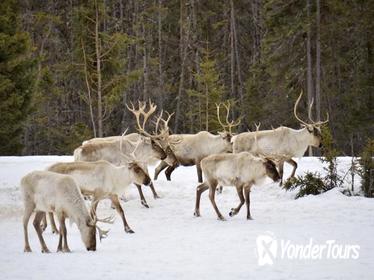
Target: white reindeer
{"type": "Point", "coordinates": [242, 170]}
{"type": "Point", "coordinates": [282, 142]}
{"type": "Point", "coordinates": [190, 149]}
{"type": "Point", "coordinates": [101, 179]}
{"type": "Point", "coordinates": [45, 191]}
{"type": "Point", "coordinates": [116, 150]}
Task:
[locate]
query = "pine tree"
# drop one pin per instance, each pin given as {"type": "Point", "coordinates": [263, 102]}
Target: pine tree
{"type": "Point", "coordinates": [208, 93]}
{"type": "Point", "coordinates": [17, 69]}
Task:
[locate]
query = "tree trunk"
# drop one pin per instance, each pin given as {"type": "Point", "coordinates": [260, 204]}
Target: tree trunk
{"type": "Point", "coordinates": [160, 73]}
{"type": "Point", "coordinates": [309, 65]}
{"type": "Point", "coordinates": [318, 63]}
{"type": "Point", "coordinates": [183, 46]}
{"type": "Point", "coordinates": [98, 73]}
{"type": "Point", "coordinates": [237, 57]}
{"type": "Point", "coordinates": [145, 63]}
{"type": "Point", "coordinates": [232, 51]}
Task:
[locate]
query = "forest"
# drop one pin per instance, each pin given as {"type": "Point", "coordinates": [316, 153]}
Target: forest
{"type": "Point", "coordinates": [68, 68]}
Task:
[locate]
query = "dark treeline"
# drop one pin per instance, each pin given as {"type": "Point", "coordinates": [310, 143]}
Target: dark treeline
{"type": "Point", "coordinates": [68, 67]}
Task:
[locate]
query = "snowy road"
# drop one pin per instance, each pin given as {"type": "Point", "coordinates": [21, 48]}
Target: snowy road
{"type": "Point", "coordinates": [170, 243]}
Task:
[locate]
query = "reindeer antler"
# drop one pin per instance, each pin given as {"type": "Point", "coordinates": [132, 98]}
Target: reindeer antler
{"type": "Point", "coordinates": [164, 130]}
{"type": "Point", "coordinates": [132, 156]}
{"type": "Point", "coordinates": [319, 123]}
{"type": "Point", "coordinates": [142, 112]}
{"type": "Point", "coordinates": [229, 125]}
{"type": "Point", "coordinates": [107, 220]}
{"type": "Point", "coordinates": [102, 233]}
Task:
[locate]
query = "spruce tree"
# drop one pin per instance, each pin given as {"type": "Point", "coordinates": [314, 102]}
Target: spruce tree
{"type": "Point", "coordinates": [17, 69]}
{"type": "Point", "coordinates": [209, 92]}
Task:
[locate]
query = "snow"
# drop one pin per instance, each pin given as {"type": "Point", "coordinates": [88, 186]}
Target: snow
{"type": "Point", "coordinates": [169, 242]}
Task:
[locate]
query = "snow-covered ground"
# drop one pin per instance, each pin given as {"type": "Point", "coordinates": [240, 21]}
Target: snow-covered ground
{"type": "Point", "coordinates": [170, 243]}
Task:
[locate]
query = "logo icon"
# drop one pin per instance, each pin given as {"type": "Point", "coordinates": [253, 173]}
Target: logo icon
{"type": "Point", "coordinates": [267, 247]}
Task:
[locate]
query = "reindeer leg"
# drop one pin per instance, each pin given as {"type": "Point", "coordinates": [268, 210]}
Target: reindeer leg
{"type": "Point", "coordinates": [119, 209]}
{"type": "Point", "coordinates": [155, 195]}
{"type": "Point", "coordinates": [142, 198]}
{"type": "Point", "coordinates": [53, 224]}
{"type": "Point", "coordinates": [212, 192]}
{"type": "Point", "coordinates": [168, 172]}
{"type": "Point", "coordinates": [159, 168]}
{"type": "Point", "coordinates": [280, 168]}
{"type": "Point", "coordinates": [294, 164]}
{"type": "Point", "coordinates": [199, 190]}
{"type": "Point", "coordinates": [219, 189]}
{"type": "Point", "coordinates": [247, 191]}
{"type": "Point", "coordinates": [236, 210]}
{"type": "Point", "coordinates": [44, 223]}
{"type": "Point", "coordinates": [65, 247]}
{"type": "Point", "coordinates": [38, 217]}
{"type": "Point", "coordinates": [59, 247]}
{"type": "Point", "coordinates": [199, 172]}
{"type": "Point", "coordinates": [26, 217]}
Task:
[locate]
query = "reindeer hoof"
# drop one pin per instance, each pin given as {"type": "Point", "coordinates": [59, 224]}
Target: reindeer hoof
{"type": "Point", "coordinates": [196, 213]}
{"type": "Point", "coordinates": [221, 218]}
{"type": "Point", "coordinates": [45, 250]}
{"type": "Point", "coordinates": [144, 203]}
{"type": "Point", "coordinates": [156, 196]}
{"type": "Point", "coordinates": [27, 250]}
{"type": "Point", "coordinates": [129, 230]}
{"type": "Point", "coordinates": [66, 250]}
{"type": "Point", "coordinates": [249, 218]}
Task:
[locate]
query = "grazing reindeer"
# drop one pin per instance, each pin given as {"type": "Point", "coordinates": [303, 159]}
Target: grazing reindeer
{"type": "Point", "coordinates": [102, 179]}
{"type": "Point", "coordinates": [241, 170]}
{"type": "Point", "coordinates": [190, 149]}
{"type": "Point", "coordinates": [281, 142]}
{"type": "Point", "coordinates": [112, 150]}
{"type": "Point", "coordinates": [45, 191]}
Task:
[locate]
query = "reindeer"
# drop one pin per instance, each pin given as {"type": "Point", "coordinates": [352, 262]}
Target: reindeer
{"type": "Point", "coordinates": [116, 153]}
{"type": "Point", "coordinates": [101, 179]}
{"type": "Point", "coordinates": [190, 149]}
{"type": "Point", "coordinates": [282, 142]}
{"type": "Point", "coordinates": [161, 132]}
{"type": "Point", "coordinates": [45, 191]}
{"type": "Point", "coordinates": [242, 170]}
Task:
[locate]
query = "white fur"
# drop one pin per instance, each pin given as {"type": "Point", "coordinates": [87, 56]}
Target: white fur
{"type": "Point", "coordinates": [100, 177]}
{"type": "Point", "coordinates": [234, 169]}
{"type": "Point", "coordinates": [283, 141]}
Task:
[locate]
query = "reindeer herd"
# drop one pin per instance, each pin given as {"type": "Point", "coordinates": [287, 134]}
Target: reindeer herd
{"type": "Point", "coordinates": [105, 167]}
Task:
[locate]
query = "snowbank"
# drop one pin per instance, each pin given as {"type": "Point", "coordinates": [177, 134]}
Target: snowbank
{"type": "Point", "coordinates": [171, 243]}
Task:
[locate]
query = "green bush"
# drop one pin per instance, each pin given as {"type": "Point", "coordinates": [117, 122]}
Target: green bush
{"type": "Point", "coordinates": [310, 183]}
{"type": "Point", "coordinates": [367, 168]}
{"type": "Point", "coordinates": [314, 183]}
{"type": "Point", "coordinates": [329, 153]}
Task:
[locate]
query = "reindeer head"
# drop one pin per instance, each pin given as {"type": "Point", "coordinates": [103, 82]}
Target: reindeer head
{"type": "Point", "coordinates": [139, 172]}
{"type": "Point", "coordinates": [314, 128]}
{"type": "Point", "coordinates": [88, 235]}
{"type": "Point", "coordinates": [227, 128]}
{"type": "Point", "coordinates": [156, 139]}
{"type": "Point", "coordinates": [271, 170]}
{"type": "Point", "coordinates": [88, 232]}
